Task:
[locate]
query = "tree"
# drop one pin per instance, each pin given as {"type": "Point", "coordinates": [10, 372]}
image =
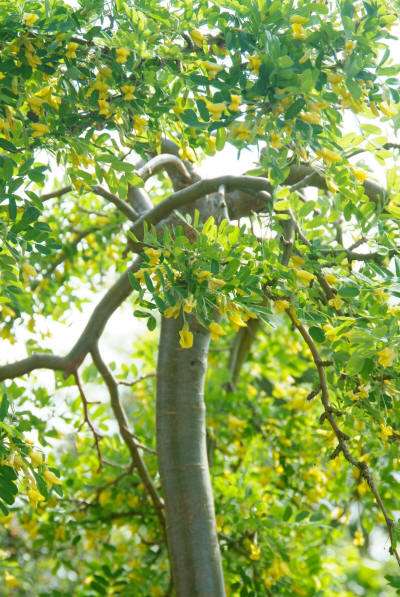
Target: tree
{"type": "Point", "coordinates": [291, 270]}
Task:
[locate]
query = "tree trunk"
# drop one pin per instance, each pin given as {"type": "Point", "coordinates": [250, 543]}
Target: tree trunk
{"type": "Point", "coordinates": [182, 454]}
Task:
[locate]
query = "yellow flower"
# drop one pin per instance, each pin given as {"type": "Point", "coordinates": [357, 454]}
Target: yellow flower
{"type": "Point", "coordinates": [172, 311]}
{"type": "Point", "coordinates": [2, 76]}
{"type": "Point", "coordinates": [304, 276]}
{"type": "Point", "coordinates": [197, 37]}
{"type": "Point", "coordinates": [211, 68]}
{"type": "Point", "coordinates": [153, 255]}
{"type": "Point", "coordinates": [241, 131]}
{"type": "Point", "coordinates": [237, 320]}
{"type": "Point", "coordinates": [275, 140]}
{"type": "Point", "coordinates": [39, 129]}
{"type": "Point", "coordinates": [336, 302]}
{"type": "Point", "coordinates": [386, 357]}
{"type": "Point", "coordinates": [349, 46]}
{"type": "Point", "coordinates": [358, 539]}
{"type": "Point", "coordinates": [189, 304]}
{"type": "Point", "coordinates": [11, 581]}
{"type": "Point", "coordinates": [140, 123]}
{"type": "Point", "coordinates": [234, 423]}
{"type": "Point", "coordinates": [185, 337]}
{"type": "Point", "coordinates": [330, 278]}
{"type": "Point", "coordinates": [255, 63]}
{"type": "Point", "coordinates": [297, 260]}
{"type": "Point", "coordinates": [203, 275]}
{"type": "Point", "coordinates": [71, 49]}
{"type": "Point", "coordinates": [36, 458]}
{"type": "Point", "coordinates": [255, 552]}
{"type": "Point", "coordinates": [17, 461]}
{"type": "Point", "coordinates": [235, 103]}
{"type": "Point", "coordinates": [122, 55]}
{"type": "Point", "coordinates": [30, 19]}
{"type": "Point", "coordinates": [28, 270]}
{"type": "Point", "coordinates": [281, 306]}
{"type": "Point", "coordinates": [299, 19]}
{"type": "Point", "coordinates": [334, 78]}
{"type": "Point", "coordinates": [310, 117]}
{"type": "Point", "coordinates": [128, 90]}
{"type": "Point", "coordinates": [34, 497]}
{"type": "Point", "coordinates": [51, 478]}
{"type": "Point", "coordinates": [329, 156]}
{"type": "Point", "coordinates": [104, 107]}
{"type": "Point", "coordinates": [360, 175]}
{"type": "Point", "coordinates": [216, 330]}
{"type": "Point", "coordinates": [216, 110]}
{"type": "Point", "coordinates": [387, 109]}
{"type": "Point", "coordinates": [211, 145]}
{"type": "Point", "coordinates": [187, 153]}
{"type": "Point", "coordinates": [298, 31]}
{"type": "Point", "coordinates": [215, 283]}
{"type": "Point", "coordinates": [386, 431]}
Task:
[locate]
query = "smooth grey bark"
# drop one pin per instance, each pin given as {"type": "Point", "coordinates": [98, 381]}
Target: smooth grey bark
{"type": "Point", "coordinates": [182, 455]}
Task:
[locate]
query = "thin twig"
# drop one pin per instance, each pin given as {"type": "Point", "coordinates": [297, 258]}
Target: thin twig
{"type": "Point", "coordinates": [97, 437]}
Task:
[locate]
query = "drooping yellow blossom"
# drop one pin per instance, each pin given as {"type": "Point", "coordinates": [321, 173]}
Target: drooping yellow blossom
{"type": "Point", "coordinates": [187, 153]}
{"type": "Point", "coordinates": [197, 37]}
{"type": "Point", "coordinates": [304, 276]}
{"type": "Point", "coordinates": [140, 123]}
{"type": "Point", "coordinates": [358, 539]}
{"type": "Point", "coordinates": [215, 283]}
{"type": "Point", "coordinates": [36, 458]}
{"type": "Point", "coordinates": [386, 357]}
{"type": "Point", "coordinates": [330, 278]}
{"type": "Point", "coordinates": [11, 581]}
{"type": "Point", "coordinates": [185, 337]}
{"type": "Point", "coordinates": [17, 461]}
{"type": "Point", "coordinates": [212, 68]}
{"type": "Point", "coordinates": [189, 304]}
{"type": "Point", "coordinates": [153, 255]}
{"type": "Point", "coordinates": [298, 31]}
{"type": "Point", "coordinates": [237, 320]}
{"type": "Point", "coordinates": [216, 110]}
{"type": "Point", "coordinates": [277, 569]}
{"type": "Point", "coordinates": [299, 19]}
{"type": "Point", "coordinates": [30, 19]}
{"type": "Point", "coordinates": [104, 107]}
{"type": "Point", "coordinates": [173, 311]}
{"type": "Point", "coordinates": [34, 497]}
{"type": "Point", "coordinates": [203, 275]}
{"type": "Point", "coordinates": [255, 63]}
{"type": "Point", "coordinates": [127, 91]}
{"type": "Point", "coordinates": [386, 431]}
{"type": "Point", "coordinates": [39, 129]}
{"type": "Point", "coordinates": [334, 78]}
{"type": "Point", "coordinates": [241, 131]}
{"type": "Point", "coordinates": [235, 103]}
{"type": "Point", "coordinates": [255, 552]}
{"type": "Point", "coordinates": [336, 302]}
{"type": "Point", "coordinates": [275, 140]}
{"type": "Point", "coordinates": [51, 478]}
{"type": "Point", "coordinates": [28, 270]}
{"type": "Point", "coordinates": [387, 109]}
{"type": "Point", "coordinates": [310, 117]}
{"type": "Point", "coordinates": [211, 145]}
{"type": "Point", "coordinates": [122, 55]}
{"type": "Point", "coordinates": [71, 49]}
{"type": "Point", "coordinates": [281, 305]}
{"type": "Point", "coordinates": [329, 156]}
{"type": "Point", "coordinates": [2, 76]}
{"type": "Point", "coordinates": [216, 330]}
{"type": "Point", "coordinates": [297, 260]}
{"type": "Point", "coordinates": [360, 174]}
{"type": "Point", "coordinates": [349, 46]}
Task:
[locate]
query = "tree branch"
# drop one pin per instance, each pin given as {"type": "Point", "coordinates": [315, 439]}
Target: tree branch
{"type": "Point", "coordinates": [342, 438]}
{"type": "Point", "coordinates": [127, 435]}
{"type": "Point", "coordinates": [87, 420]}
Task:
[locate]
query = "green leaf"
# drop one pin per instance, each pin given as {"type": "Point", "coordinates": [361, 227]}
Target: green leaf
{"type": "Point", "coordinates": [349, 291]}
{"type": "Point", "coordinates": [295, 108]}
{"type": "Point", "coordinates": [8, 146]}
{"type": "Point", "coordinates": [317, 333]}
{"type": "Point", "coordinates": [151, 323]}
{"type": "Point", "coordinates": [4, 407]}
